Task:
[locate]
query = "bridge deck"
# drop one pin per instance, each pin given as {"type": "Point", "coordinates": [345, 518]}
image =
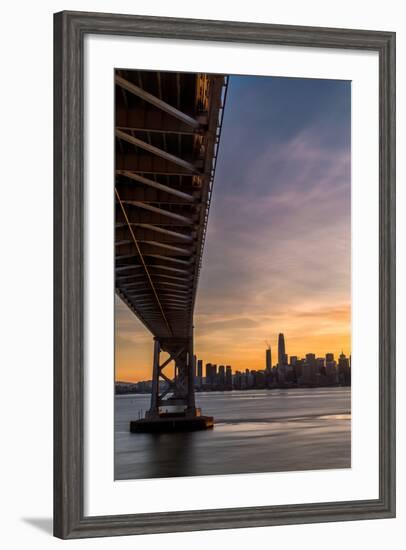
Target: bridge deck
{"type": "Point", "coordinates": [167, 134]}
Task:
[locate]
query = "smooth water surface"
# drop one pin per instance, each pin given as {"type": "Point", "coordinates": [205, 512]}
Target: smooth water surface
{"type": "Point", "coordinates": [255, 431]}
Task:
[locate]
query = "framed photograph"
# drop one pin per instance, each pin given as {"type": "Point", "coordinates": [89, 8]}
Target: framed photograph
{"type": "Point", "coordinates": [224, 274]}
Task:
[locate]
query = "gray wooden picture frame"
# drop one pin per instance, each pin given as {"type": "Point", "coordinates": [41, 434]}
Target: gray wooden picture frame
{"type": "Point", "coordinates": [69, 31]}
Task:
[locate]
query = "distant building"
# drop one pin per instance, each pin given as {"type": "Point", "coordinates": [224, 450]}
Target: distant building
{"type": "Point", "coordinates": [221, 375]}
{"type": "Point", "coordinates": [200, 368]}
{"type": "Point", "coordinates": [259, 379]}
{"type": "Point", "coordinates": [229, 377]}
{"type": "Point", "coordinates": [268, 360]}
{"type": "Point", "coordinates": [320, 363]}
{"type": "Point", "coordinates": [343, 361]}
{"type": "Point", "coordinates": [309, 371]}
{"type": "Point", "coordinates": [250, 378]}
{"type": "Point", "coordinates": [310, 359]}
{"type": "Point", "coordinates": [211, 371]}
{"type": "Point", "coordinates": [281, 373]}
{"type": "Point", "coordinates": [344, 371]}
{"type": "Point", "coordinates": [198, 373]}
{"type": "Point", "coordinates": [282, 357]}
{"type": "Point", "coordinates": [298, 369]}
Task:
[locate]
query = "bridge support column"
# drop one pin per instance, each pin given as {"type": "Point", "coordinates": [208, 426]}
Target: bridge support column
{"type": "Point", "coordinates": [154, 409]}
{"type": "Point", "coordinates": [191, 405]}
{"type": "Point", "coordinates": [173, 405]}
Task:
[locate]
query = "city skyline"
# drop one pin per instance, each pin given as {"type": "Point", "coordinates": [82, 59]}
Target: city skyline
{"type": "Point", "coordinates": [270, 352]}
{"type": "Point", "coordinates": [293, 371]}
{"type": "Point", "coordinates": [277, 251]}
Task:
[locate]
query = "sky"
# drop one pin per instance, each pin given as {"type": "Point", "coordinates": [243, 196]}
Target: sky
{"type": "Point", "coordinates": [277, 255]}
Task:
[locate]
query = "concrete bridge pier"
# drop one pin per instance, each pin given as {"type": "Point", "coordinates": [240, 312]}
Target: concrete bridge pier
{"type": "Point", "coordinates": [173, 406]}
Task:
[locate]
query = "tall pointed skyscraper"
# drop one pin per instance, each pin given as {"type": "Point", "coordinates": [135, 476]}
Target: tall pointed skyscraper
{"type": "Point", "coordinates": [282, 358]}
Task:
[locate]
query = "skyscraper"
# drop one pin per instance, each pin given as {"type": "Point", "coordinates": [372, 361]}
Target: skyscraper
{"type": "Point", "coordinates": [199, 373]}
{"type": "Point", "coordinates": [268, 360]}
{"type": "Point", "coordinates": [282, 357]}
{"type": "Point", "coordinates": [344, 371]}
{"type": "Point", "coordinates": [210, 374]}
{"type": "Point", "coordinates": [199, 368]}
{"type": "Point", "coordinates": [229, 377]}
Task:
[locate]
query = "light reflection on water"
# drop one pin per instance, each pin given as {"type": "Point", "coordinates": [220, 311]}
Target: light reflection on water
{"type": "Point", "coordinates": [255, 431]}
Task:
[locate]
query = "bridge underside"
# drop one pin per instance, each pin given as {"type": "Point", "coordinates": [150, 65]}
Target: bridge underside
{"type": "Point", "coordinates": [167, 134]}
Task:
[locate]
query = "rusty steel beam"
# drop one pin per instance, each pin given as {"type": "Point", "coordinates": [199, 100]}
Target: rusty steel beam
{"type": "Point", "coordinates": [176, 285]}
{"type": "Point", "coordinates": [186, 251]}
{"type": "Point", "coordinates": [159, 103]}
{"type": "Point", "coordinates": [156, 151]}
{"type": "Point", "coordinates": [161, 211]}
{"type": "Point", "coordinates": [129, 285]}
{"type": "Point", "coordinates": [139, 215]}
{"type": "Point", "coordinates": [172, 269]}
{"type": "Point", "coordinates": [145, 234]}
{"type": "Point", "coordinates": [120, 278]}
{"type": "Point", "coordinates": [174, 295]}
{"type": "Point", "coordinates": [156, 185]}
{"type": "Point", "coordinates": [155, 130]}
{"type": "Point", "coordinates": [152, 164]}
{"type": "Point", "coordinates": [164, 231]}
{"type": "Point", "coordinates": [177, 291]}
{"type": "Point", "coordinates": [153, 121]}
{"type": "Point", "coordinates": [152, 252]}
{"type": "Point", "coordinates": [124, 278]}
{"type": "Point", "coordinates": [170, 259]}
{"type": "Point", "coordinates": [123, 267]}
{"type": "Point", "coordinates": [159, 276]}
{"type": "Point", "coordinates": [185, 305]}
{"type": "Point", "coordinates": [125, 256]}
